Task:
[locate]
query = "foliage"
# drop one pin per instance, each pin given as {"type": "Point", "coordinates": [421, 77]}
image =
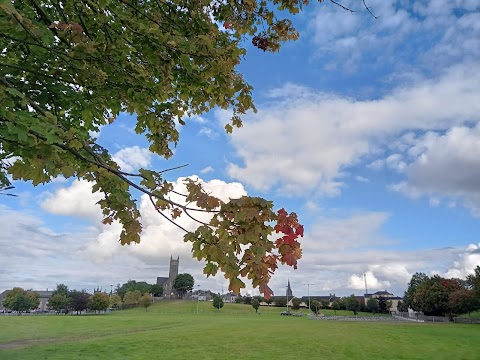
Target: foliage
{"type": "Point", "coordinates": [402, 306]}
{"type": "Point", "coordinates": [156, 290]}
{"type": "Point", "coordinates": [473, 281]}
{"type": "Point", "coordinates": [432, 295]}
{"type": "Point", "coordinates": [99, 301]}
{"type": "Point", "coordinates": [296, 303]}
{"type": "Point", "coordinates": [217, 302]}
{"type": "Point", "coordinates": [132, 285]}
{"type": "Point", "coordinates": [280, 301]}
{"type": "Point", "coordinates": [384, 305]}
{"type": "Point", "coordinates": [463, 301]}
{"type": "Point", "coordinates": [59, 302]}
{"type": "Point", "coordinates": [247, 300]}
{"type": "Point", "coordinates": [416, 280]}
{"type": "Point", "coordinates": [70, 68]}
{"type": "Point", "coordinates": [115, 301]}
{"type": "Point", "coordinates": [79, 300]}
{"type": "Point", "coordinates": [335, 306]}
{"type": "Point", "coordinates": [61, 289]}
{"type": "Point", "coordinates": [315, 306]}
{"type": "Point", "coordinates": [20, 300]}
{"type": "Point", "coordinates": [145, 301]}
{"type": "Point", "coordinates": [325, 304]}
{"type": "Point", "coordinates": [132, 297]}
{"type": "Point", "coordinates": [372, 305]}
{"type": "Point", "coordinates": [352, 304]}
{"type": "Point", "coordinates": [255, 304]}
{"type": "Point", "coordinates": [239, 300]}
{"type": "Point", "coordinates": [183, 283]}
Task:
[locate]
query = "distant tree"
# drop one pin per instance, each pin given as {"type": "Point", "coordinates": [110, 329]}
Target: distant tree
{"type": "Point", "coordinates": [335, 306]}
{"type": "Point", "coordinates": [415, 281]}
{"type": "Point", "coordinates": [255, 304]}
{"type": "Point", "coordinates": [34, 298]}
{"type": "Point", "coordinates": [132, 297]}
{"type": "Point", "coordinates": [296, 303]}
{"type": "Point", "coordinates": [372, 305]}
{"type": "Point", "coordinates": [115, 301]}
{"type": "Point", "coordinates": [325, 304]}
{"type": "Point", "coordinates": [59, 302]}
{"type": "Point", "coordinates": [18, 300]}
{"type": "Point", "coordinates": [61, 289]}
{"type": "Point", "coordinates": [473, 282]}
{"type": "Point", "coordinates": [247, 300]}
{"type": "Point", "coordinates": [269, 301]}
{"type": "Point", "coordinates": [99, 301]}
{"type": "Point", "coordinates": [315, 306]}
{"type": "Point", "coordinates": [280, 301]}
{"type": "Point", "coordinates": [156, 290]}
{"type": "Point", "coordinates": [432, 296]}
{"type": "Point", "coordinates": [352, 304]}
{"type": "Point", "coordinates": [402, 306]}
{"type": "Point", "coordinates": [183, 283]}
{"type": "Point", "coordinates": [132, 285]}
{"type": "Point", "coordinates": [259, 298]}
{"type": "Point", "coordinates": [463, 301]}
{"type": "Point", "coordinates": [217, 302]}
{"type": "Point", "coordinates": [145, 301]}
{"type": "Point", "coordinates": [239, 300]}
{"type": "Point", "coordinates": [79, 300]}
{"type": "Point", "coordinates": [383, 306]}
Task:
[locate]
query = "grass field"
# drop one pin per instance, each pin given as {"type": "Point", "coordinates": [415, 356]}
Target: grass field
{"type": "Point", "coordinates": [174, 331]}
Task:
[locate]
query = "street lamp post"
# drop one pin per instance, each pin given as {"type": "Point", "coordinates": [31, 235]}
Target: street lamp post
{"type": "Point", "coordinates": [308, 292]}
{"type": "Point", "coordinates": [111, 290]}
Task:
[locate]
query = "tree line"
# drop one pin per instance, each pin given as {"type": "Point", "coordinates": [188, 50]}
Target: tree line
{"type": "Point", "coordinates": [439, 296]}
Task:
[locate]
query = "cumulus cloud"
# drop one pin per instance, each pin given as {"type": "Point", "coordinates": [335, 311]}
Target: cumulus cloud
{"type": "Point", "coordinates": [303, 140]}
{"type": "Point", "coordinates": [428, 35]}
{"type": "Point", "coordinates": [444, 165]}
{"type": "Point", "coordinates": [132, 158]}
{"type": "Point", "coordinates": [466, 262]}
{"type": "Point", "coordinates": [357, 282]}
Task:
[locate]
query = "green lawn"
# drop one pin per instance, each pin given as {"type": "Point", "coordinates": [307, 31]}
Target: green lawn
{"type": "Point", "coordinates": [174, 331]}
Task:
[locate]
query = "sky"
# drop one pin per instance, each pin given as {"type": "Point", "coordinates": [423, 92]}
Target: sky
{"type": "Point", "coordinates": [368, 129]}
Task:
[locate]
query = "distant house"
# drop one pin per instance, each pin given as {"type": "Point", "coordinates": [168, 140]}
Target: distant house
{"type": "Point", "coordinates": [385, 294]}
{"type": "Point", "coordinates": [43, 295]}
{"type": "Point", "coordinates": [229, 297]}
{"type": "Point", "coordinates": [167, 282]}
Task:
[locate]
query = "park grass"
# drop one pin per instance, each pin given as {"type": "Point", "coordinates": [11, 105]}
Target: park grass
{"type": "Point", "coordinates": [173, 330]}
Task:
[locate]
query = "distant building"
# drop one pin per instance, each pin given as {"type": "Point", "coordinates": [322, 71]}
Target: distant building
{"type": "Point", "coordinates": [386, 295]}
{"type": "Point", "coordinates": [167, 282]}
{"type": "Point", "coordinates": [289, 290]}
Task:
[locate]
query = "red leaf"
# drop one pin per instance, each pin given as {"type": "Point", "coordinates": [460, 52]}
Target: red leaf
{"type": "Point", "coordinates": [265, 290]}
{"type": "Point", "coordinates": [227, 25]}
{"type": "Point", "coordinates": [299, 230]}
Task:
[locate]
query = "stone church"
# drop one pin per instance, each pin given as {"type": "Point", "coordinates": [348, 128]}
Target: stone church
{"type": "Point", "coordinates": [167, 282]}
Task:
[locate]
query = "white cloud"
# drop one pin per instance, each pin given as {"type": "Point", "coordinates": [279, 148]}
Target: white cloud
{"type": "Point", "coordinates": [207, 170]}
{"type": "Point", "coordinates": [445, 165]}
{"type": "Point", "coordinates": [132, 158]}
{"type": "Point", "coordinates": [429, 34]}
{"type": "Point", "coordinates": [303, 143]}
{"type": "Point", "coordinates": [209, 132]}
{"type": "Point", "coordinates": [362, 179]}
{"type": "Point", "coordinates": [466, 262]}
{"type": "Point", "coordinates": [357, 282]}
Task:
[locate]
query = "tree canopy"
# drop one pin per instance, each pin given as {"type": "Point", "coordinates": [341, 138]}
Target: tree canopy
{"type": "Point", "coordinates": [69, 68]}
{"type": "Point", "coordinates": [183, 283]}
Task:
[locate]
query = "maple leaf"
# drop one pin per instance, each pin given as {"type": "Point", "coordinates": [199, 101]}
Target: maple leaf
{"type": "Point", "coordinates": [235, 285]}
{"type": "Point", "coordinates": [176, 212]}
{"type": "Point", "coordinates": [228, 25]}
{"type": "Point", "coordinates": [265, 290]}
{"type": "Point", "coordinates": [299, 230]}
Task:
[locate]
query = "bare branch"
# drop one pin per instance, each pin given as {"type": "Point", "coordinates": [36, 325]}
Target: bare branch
{"type": "Point", "coordinates": [368, 9]}
{"type": "Point", "coordinates": [165, 216]}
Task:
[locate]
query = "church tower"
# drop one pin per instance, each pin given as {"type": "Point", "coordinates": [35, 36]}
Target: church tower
{"type": "Point", "coordinates": [289, 290]}
{"type": "Point", "coordinates": [173, 273]}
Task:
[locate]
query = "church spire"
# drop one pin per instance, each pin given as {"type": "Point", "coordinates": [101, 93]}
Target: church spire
{"type": "Point", "coordinates": [289, 290]}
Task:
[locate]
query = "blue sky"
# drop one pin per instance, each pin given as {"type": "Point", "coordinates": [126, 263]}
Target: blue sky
{"type": "Point", "coordinates": [368, 129]}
